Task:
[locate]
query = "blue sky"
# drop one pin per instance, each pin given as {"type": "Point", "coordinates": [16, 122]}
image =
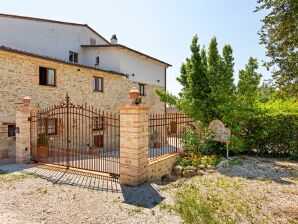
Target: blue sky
{"type": "Point", "coordinates": [160, 28]}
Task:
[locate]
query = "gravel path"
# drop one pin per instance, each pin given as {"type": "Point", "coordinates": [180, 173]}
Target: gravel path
{"type": "Point", "coordinates": [61, 196]}
{"type": "Point", "coordinates": [54, 195]}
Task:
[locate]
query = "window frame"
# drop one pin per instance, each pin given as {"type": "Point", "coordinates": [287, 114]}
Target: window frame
{"type": "Point", "coordinates": [96, 87]}
{"type": "Point", "coordinates": [44, 129]}
{"type": "Point", "coordinates": [142, 91]}
{"type": "Point", "coordinates": [46, 78]}
{"type": "Point", "coordinates": [9, 133]}
{"type": "Point", "coordinates": [96, 61]}
{"type": "Point", "coordinates": [98, 123]}
{"type": "Point", "coordinates": [72, 54]}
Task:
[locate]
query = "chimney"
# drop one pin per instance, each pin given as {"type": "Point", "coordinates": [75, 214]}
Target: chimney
{"type": "Point", "coordinates": [114, 39]}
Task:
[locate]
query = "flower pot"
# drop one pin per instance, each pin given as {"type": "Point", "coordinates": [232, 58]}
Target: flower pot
{"type": "Point", "coordinates": [156, 145]}
{"type": "Point", "coordinates": [42, 152]}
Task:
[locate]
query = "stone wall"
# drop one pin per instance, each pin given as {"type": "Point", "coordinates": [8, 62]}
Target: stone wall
{"type": "Point", "coordinates": [19, 77]}
{"type": "Point", "coordinates": [161, 167]}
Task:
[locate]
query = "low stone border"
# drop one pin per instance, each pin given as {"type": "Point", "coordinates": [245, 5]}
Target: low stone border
{"type": "Point", "coordinates": [190, 171]}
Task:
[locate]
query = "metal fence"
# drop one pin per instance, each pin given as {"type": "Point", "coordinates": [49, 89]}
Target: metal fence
{"type": "Point", "coordinates": [76, 136]}
{"type": "Point", "coordinates": [165, 133]}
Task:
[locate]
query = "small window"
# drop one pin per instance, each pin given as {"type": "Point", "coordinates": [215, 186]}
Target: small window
{"type": "Point", "coordinates": [96, 61]}
{"type": "Point", "coordinates": [11, 130]}
{"type": "Point", "coordinates": [98, 123]}
{"type": "Point", "coordinates": [47, 76]}
{"type": "Point", "coordinates": [73, 57]}
{"type": "Point", "coordinates": [98, 84]}
{"type": "Point", "coordinates": [92, 41]}
{"type": "Point", "coordinates": [48, 126]}
{"type": "Point", "coordinates": [51, 126]}
{"type": "Point", "coordinates": [142, 89]}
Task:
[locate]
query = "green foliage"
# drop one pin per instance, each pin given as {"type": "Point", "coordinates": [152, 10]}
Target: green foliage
{"type": "Point", "coordinates": [170, 99]}
{"type": "Point", "coordinates": [251, 111]}
{"type": "Point", "coordinates": [191, 210]}
{"type": "Point", "coordinates": [279, 33]}
{"type": "Point", "coordinates": [273, 134]}
{"type": "Point", "coordinates": [236, 162]}
{"type": "Point", "coordinates": [43, 139]}
{"type": "Point", "coordinates": [191, 143]}
{"type": "Point", "coordinates": [197, 151]}
{"type": "Point", "coordinates": [207, 83]}
{"type": "Point", "coordinates": [155, 136]}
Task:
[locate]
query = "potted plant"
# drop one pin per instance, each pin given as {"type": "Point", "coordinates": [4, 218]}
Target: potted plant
{"type": "Point", "coordinates": [138, 100]}
{"type": "Point", "coordinates": [155, 137]}
{"type": "Point", "coordinates": [43, 146]}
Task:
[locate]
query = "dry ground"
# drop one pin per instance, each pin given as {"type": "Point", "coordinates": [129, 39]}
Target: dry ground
{"type": "Point", "coordinates": [243, 190]}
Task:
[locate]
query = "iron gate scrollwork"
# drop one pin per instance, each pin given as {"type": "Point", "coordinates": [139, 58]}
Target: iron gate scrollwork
{"type": "Point", "coordinates": [76, 136]}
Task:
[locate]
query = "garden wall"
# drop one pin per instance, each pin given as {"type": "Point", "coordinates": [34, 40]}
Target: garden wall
{"type": "Point", "coordinates": [161, 167]}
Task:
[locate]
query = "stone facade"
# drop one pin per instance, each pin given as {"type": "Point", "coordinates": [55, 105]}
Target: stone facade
{"type": "Point", "coordinates": [161, 167]}
{"type": "Point", "coordinates": [19, 77]}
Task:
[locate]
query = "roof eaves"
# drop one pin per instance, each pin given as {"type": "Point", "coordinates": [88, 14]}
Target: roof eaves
{"type": "Point", "coordinates": [4, 48]}
{"type": "Point", "coordinates": [130, 49]}
{"type": "Point", "coordinates": [54, 21]}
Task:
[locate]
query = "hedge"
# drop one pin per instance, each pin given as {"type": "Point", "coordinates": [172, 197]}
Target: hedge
{"type": "Point", "coordinates": [275, 135]}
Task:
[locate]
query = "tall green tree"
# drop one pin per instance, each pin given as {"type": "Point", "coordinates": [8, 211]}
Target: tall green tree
{"type": "Point", "coordinates": [226, 89]}
{"type": "Point", "coordinates": [279, 33]}
{"type": "Point", "coordinates": [214, 74]}
{"type": "Point", "coordinates": [247, 88]}
{"type": "Point", "coordinates": [207, 83]}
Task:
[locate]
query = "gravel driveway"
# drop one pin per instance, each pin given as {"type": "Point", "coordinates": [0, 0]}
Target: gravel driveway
{"type": "Point", "coordinates": [39, 194]}
{"type": "Point", "coordinates": [61, 196]}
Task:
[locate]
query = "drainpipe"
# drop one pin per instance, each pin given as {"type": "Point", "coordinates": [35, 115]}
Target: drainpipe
{"type": "Point", "coordinates": [165, 88]}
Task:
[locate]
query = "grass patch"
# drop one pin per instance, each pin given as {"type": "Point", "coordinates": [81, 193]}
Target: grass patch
{"type": "Point", "coordinates": [134, 211]}
{"type": "Point", "coordinates": [2, 172]}
{"type": "Point", "coordinates": [165, 206]}
{"type": "Point", "coordinates": [218, 200]}
{"type": "Point", "coordinates": [8, 177]}
{"type": "Point", "coordinates": [236, 162]}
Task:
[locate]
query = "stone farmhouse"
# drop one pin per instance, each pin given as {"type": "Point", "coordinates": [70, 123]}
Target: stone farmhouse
{"type": "Point", "coordinates": [45, 59]}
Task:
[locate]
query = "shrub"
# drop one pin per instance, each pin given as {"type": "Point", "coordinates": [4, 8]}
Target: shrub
{"type": "Point", "coordinates": [274, 134]}
{"type": "Point", "coordinates": [197, 151]}
{"type": "Point", "coordinates": [191, 142]}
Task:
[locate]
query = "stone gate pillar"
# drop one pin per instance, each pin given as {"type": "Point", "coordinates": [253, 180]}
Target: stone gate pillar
{"type": "Point", "coordinates": [134, 142]}
{"type": "Point", "coordinates": [23, 131]}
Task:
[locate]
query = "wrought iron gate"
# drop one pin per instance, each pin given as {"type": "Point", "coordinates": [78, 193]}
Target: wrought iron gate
{"type": "Point", "coordinates": [76, 136]}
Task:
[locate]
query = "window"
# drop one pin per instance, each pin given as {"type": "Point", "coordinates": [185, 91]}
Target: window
{"type": "Point", "coordinates": [142, 89]}
{"type": "Point", "coordinates": [98, 84]}
{"type": "Point", "coordinates": [73, 57]}
{"type": "Point", "coordinates": [11, 130]}
{"type": "Point", "coordinates": [51, 126]}
{"type": "Point", "coordinates": [47, 76]}
{"type": "Point", "coordinates": [96, 61]}
{"type": "Point", "coordinates": [48, 126]}
{"type": "Point", "coordinates": [98, 141]}
{"type": "Point", "coordinates": [98, 123]}
{"type": "Point", "coordinates": [92, 41]}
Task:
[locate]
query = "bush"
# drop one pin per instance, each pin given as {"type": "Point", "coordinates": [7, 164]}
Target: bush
{"type": "Point", "coordinates": [191, 142]}
{"type": "Point", "coordinates": [274, 134]}
{"type": "Point", "coordinates": [197, 151]}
